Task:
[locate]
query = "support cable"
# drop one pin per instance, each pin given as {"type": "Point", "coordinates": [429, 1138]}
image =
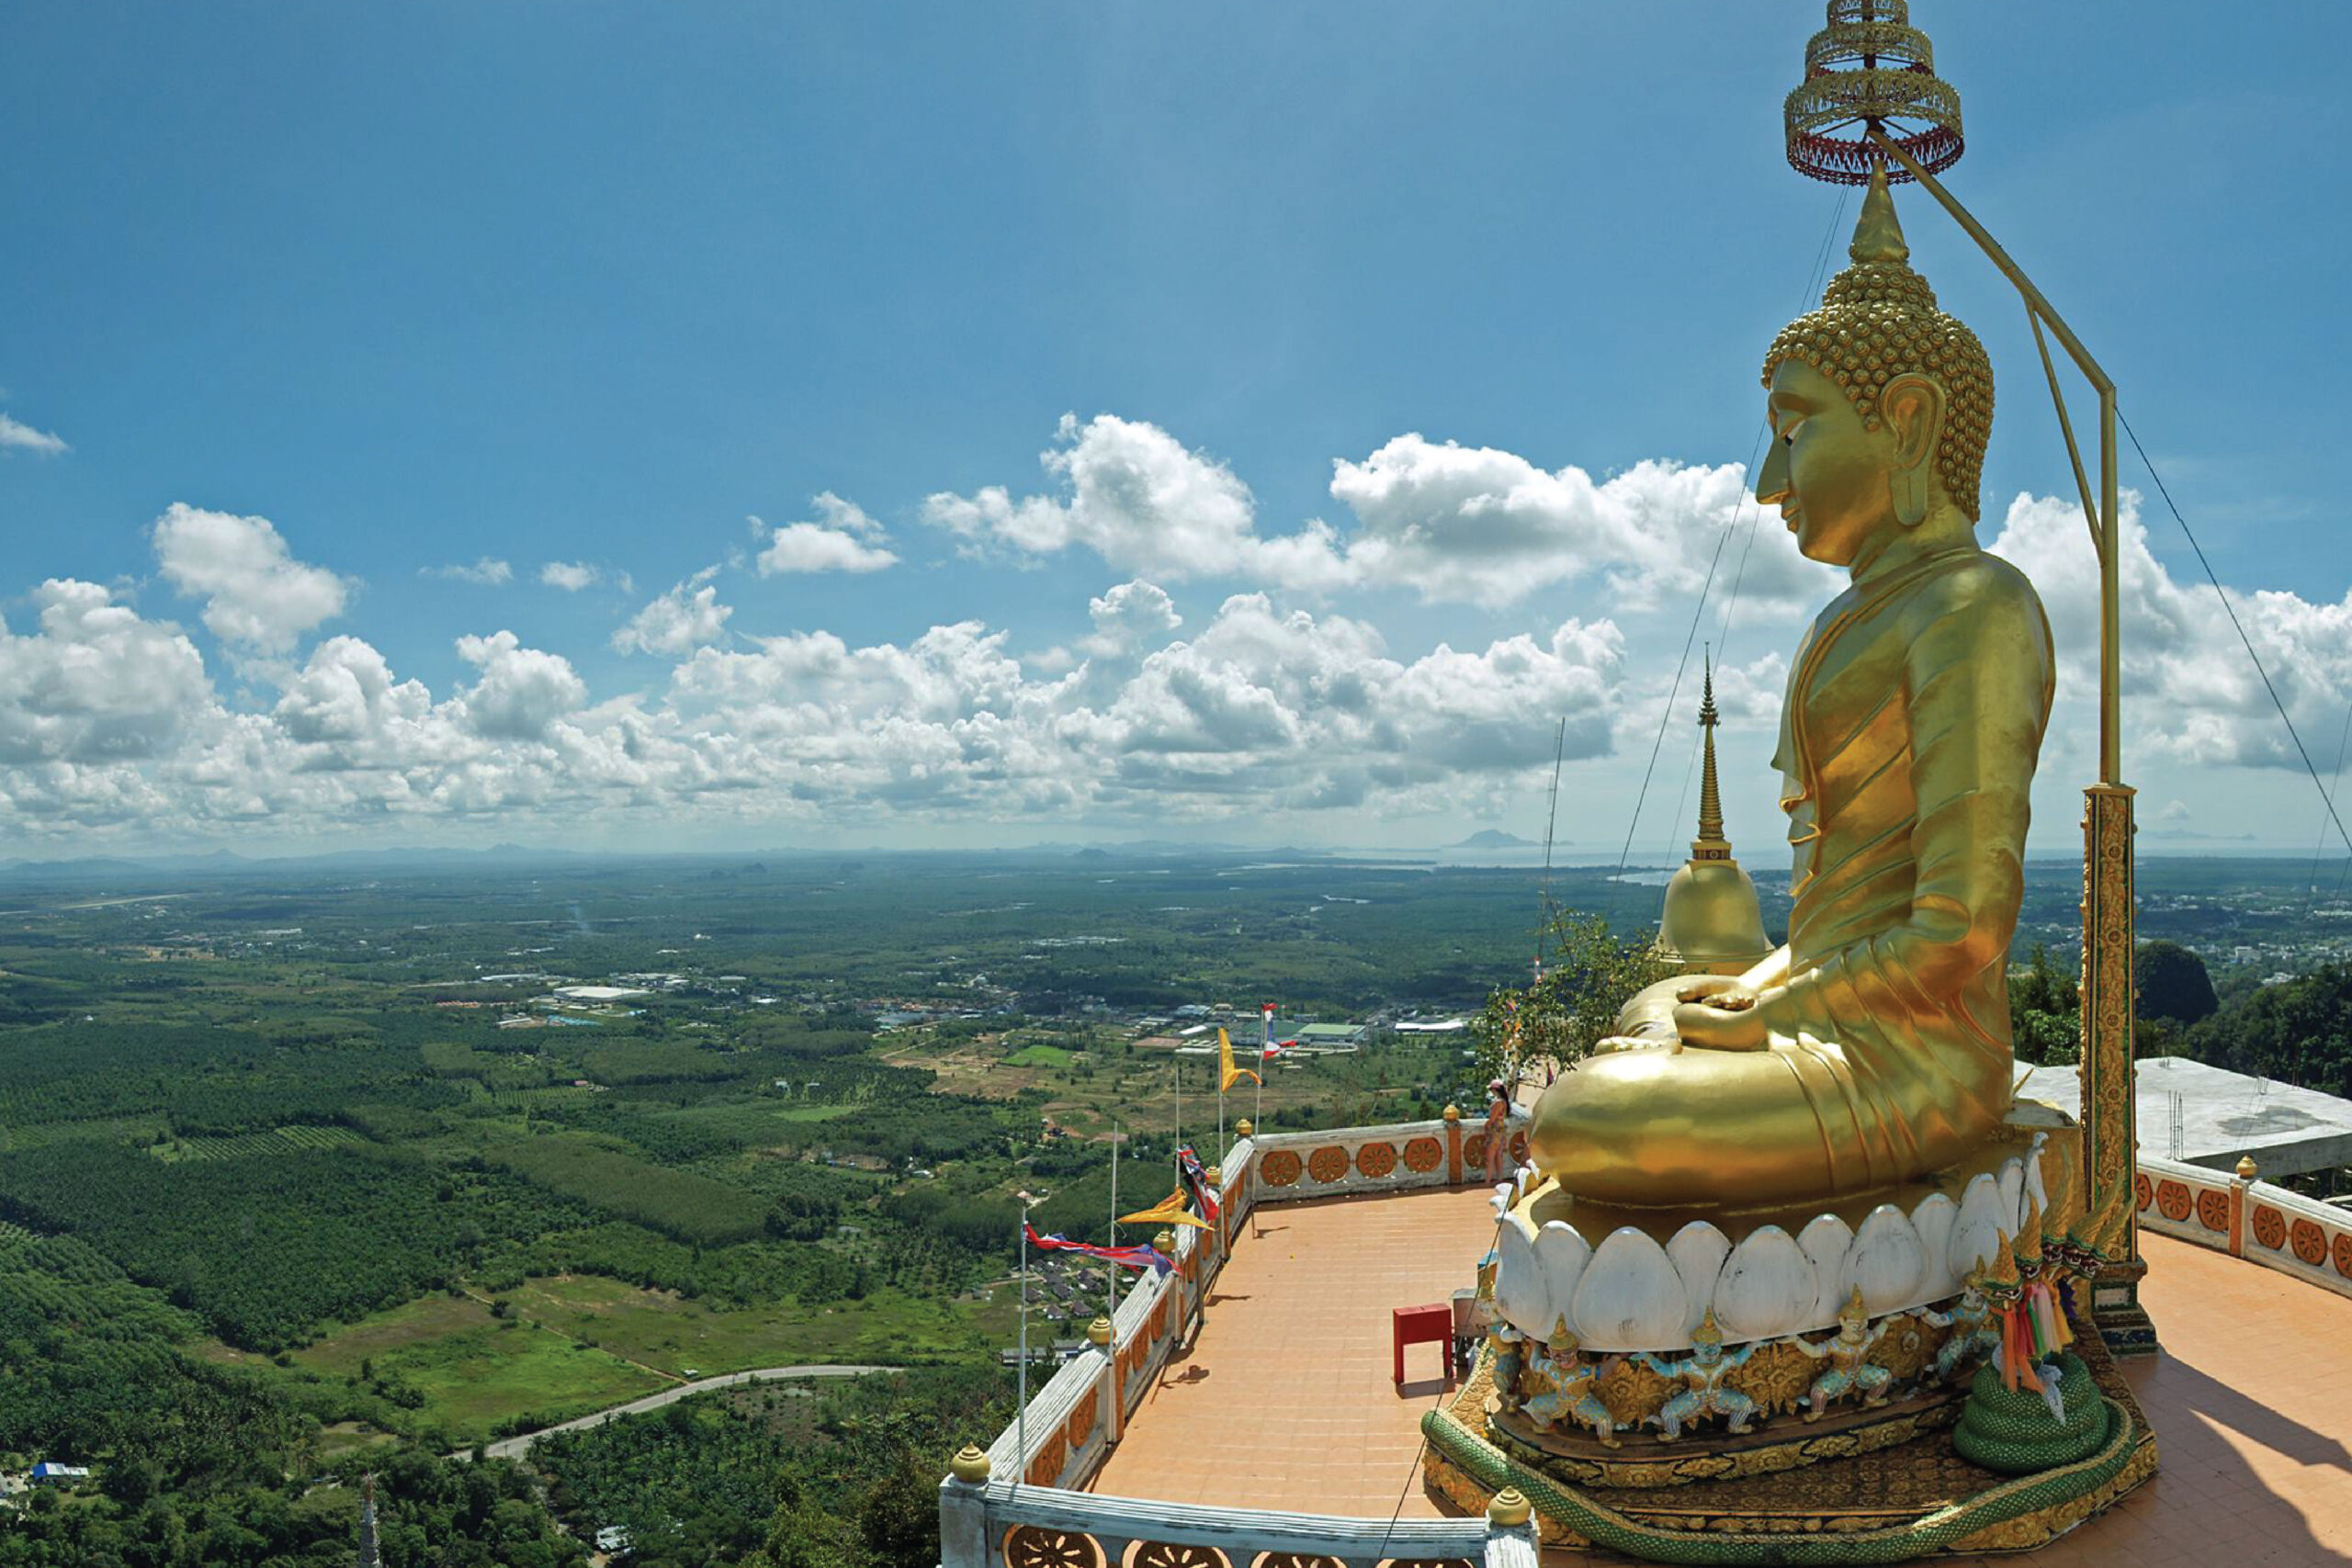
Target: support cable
{"type": "Point", "coordinates": [2335, 782]}
{"type": "Point", "coordinates": [2300, 750]}
{"type": "Point", "coordinates": [1754, 518]}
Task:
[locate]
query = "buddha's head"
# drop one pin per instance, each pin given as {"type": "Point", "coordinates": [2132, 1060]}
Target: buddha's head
{"type": "Point", "coordinates": [1881, 404]}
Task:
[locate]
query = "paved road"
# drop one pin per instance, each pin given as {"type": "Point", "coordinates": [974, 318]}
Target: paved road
{"type": "Point", "coordinates": [515, 1448]}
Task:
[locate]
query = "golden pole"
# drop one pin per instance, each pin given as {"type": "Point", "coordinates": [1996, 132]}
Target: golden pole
{"type": "Point", "coordinates": [2109, 937]}
{"type": "Point", "coordinates": [2110, 748]}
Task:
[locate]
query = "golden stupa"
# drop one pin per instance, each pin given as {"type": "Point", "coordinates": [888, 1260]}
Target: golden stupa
{"type": "Point", "coordinates": [1712, 923]}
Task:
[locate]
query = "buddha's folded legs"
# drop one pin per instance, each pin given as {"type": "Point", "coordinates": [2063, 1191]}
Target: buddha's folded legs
{"type": "Point", "coordinates": [1662, 1127]}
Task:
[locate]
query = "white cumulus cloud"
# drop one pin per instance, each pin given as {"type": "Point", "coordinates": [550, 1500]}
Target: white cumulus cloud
{"type": "Point", "coordinates": [571, 576]}
{"type": "Point", "coordinates": [843, 539]}
{"type": "Point", "coordinates": [256, 594]}
{"type": "Point", "coordinates": [20, 437]}
{"type": "Point", "coordinates": [2191, 692]}
{"type": "Point", "coordinates": [1129, 617]}
{"type": "Point", "coordinates": [677, 622]}
{"type": "Point", "coordinates": [488, 571]}
{"type": "Point", "coordinates": [1487, 526]}
{"type": "Point", "coordinates": [95, 683]}
{"type": "Point", "coordinates": [1248, 710]}
{"type": "Point", "coordinates": [522, 692]}
{"type": "Point", "coordinates": [1450, 522]}
{"type": "Point", "coordinates": [1137, 498]}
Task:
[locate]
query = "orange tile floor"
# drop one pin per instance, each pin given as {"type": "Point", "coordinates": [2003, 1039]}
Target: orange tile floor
{"type": "Point", "coordinates": [1285, 1400]}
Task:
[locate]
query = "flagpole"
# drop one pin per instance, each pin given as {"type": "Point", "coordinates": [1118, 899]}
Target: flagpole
{"type": "Point", "coordinates": [1020, 1416]}
{"type": "Point", "coordinates": [1260, 1120]}
{"type": "Point", "coordinates": [1112, 1312]}
{"type": "Point", "coordinates": [1258, 1116]}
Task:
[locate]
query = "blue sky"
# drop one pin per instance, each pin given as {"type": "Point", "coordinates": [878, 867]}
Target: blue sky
{"type": "Point", "coordinates": [598, 286]}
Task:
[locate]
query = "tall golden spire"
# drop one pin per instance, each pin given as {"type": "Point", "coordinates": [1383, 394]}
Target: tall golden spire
{"type": "Point", "coordinates": [1710, 843]}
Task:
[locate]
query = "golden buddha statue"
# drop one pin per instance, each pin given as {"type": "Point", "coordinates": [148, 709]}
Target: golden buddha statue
{"type": "Point", "coordinates": [1875, 1047]}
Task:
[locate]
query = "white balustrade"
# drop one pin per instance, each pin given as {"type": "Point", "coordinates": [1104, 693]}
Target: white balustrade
{"type": "Point", "coordinates": [1070, 1522]}
{"type": "Point", "coordinates": [2248, 1218]}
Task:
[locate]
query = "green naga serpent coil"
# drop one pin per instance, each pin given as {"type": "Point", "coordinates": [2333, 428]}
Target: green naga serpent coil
{"type": "Point", "coordinates": [2011, 1431]}
{"type": "Point", "coordinates": [1605, 1526]}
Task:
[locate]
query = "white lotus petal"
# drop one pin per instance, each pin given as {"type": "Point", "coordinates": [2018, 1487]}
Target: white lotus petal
{"type": "Point", "coordinates": [1697, 1252]}
{"type": "Point", "coordinates": [1630, 1297]}
{"type": "Point", "coordinates": [1520, 1294]}
{"type": "Point", "coordinates": [1827, 1239]}
{"type": "Point", "coordinates": [1932, 1219]}
{"type": "Point", "coordinates": [1977, 1229]}
{"type": "Point", "coordinates": [1887, 1260]}
{"type": "Point", "coordinates": [1767, 1287]}
{"type": "Point", "coordinates": [1562, 1254]}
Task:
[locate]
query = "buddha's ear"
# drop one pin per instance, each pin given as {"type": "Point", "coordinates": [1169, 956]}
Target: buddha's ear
{"type": "Point", "coordinates": [1913, 407]}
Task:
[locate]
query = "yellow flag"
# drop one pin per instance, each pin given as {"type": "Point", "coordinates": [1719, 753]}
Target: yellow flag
{"type": "Point", "coordinates": [1230, 1075]}
{"type": "Point", "coordinates": [1168, 1210]}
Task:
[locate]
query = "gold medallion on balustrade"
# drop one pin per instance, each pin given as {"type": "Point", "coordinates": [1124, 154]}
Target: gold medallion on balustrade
{"type": "Point", "coordinates": [1376, 1160]}
{"type": "Point", "coordinates": [1423, 1156]}
{"type": "Point", "coordinates": [1279, 1168]}
{"type": "Point", "coordinates": [1327, 1164]}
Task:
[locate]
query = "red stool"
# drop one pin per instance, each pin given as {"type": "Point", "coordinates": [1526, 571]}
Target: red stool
{"type": "Point", "coordinates": [1421, 1325]}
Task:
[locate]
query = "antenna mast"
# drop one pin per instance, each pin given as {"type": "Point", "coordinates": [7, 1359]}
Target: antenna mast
{"type": "Point", "coordinates": [1551, 820]}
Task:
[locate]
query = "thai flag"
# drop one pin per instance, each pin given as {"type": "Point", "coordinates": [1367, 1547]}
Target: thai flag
{"type": "Point", "coordinates": [1272, 1048]}
{"type": "Point", "coordinates": [1138, 1257]}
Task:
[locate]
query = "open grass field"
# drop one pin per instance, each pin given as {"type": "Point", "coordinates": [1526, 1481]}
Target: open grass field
{"type": "Point", "coordinates": [475, 1371]}
{"type": "Point", "coordinates": [662, 1329]}
{"type": "Point", "coordinates": [476, 1379]}
{"type": "Point", "coordinates": [569, 1346]}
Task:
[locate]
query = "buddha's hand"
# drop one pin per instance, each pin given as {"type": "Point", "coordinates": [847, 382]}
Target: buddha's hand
{"type": "Point", "coordinates": [1721, 1017]}
{"type": "Point", "coordinates": [1646, 1021]}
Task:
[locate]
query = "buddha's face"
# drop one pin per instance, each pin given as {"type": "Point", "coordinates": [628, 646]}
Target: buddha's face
{"type": "Point", "coordinates": [1826, 471]}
